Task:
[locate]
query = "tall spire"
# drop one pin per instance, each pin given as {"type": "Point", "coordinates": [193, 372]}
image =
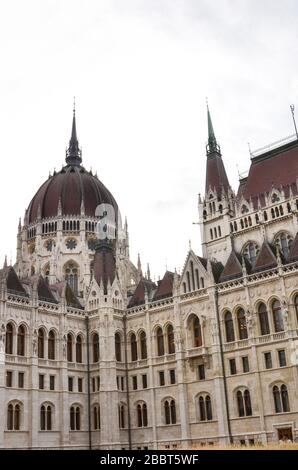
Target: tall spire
{"type": "Point", "coordinates": [73, 153]}
{"type": "Point", "coordinates": [216, 177]}
{"type": "Point", "coordinates": [212, 145]}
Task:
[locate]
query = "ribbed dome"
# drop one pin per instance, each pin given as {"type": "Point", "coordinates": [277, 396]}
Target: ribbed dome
{"type": "Point", "coordinates": [70, 187]}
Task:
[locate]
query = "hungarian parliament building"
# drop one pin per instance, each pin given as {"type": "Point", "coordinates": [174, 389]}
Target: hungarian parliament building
{"type": "Point", "coordinates": [96, 355]}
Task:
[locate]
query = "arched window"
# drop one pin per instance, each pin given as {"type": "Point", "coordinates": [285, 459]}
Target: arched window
{"type": "Point", "coordinates": [173, 411]}
{"type": "Point", "coordinates": [133, 347]}
{"type": "Point", "coordinates": [170, 412]}
{"type": "Point", "coordinates": [171, 339]}
{"type": "Point", "coordinates": [285, 398]}
{"type": "Point", "coordinates": [296, 306]}
{"type": "Point", "coordinates": [51, 345]}
{"type": "Point", "coordinates": [46, 418]}
{"type": "Point", "coordinates": [75, 418]}
{"type": "Point", "coordinates": [144, 415]}
{"type": "Point", "coordinates": [197, 332]}
{"type": "Point", "coordinates": [229, 325]}
{"type": "Point", "coordinates": [121, 416]}
{"type": "Point", "coordinates": [13, 417]}
{"type": "Point", "coordinates": [143, 343]}
{"type": "Point", "coordinates": [9, 339]}
{"type": "Point", "coordinates": [205, 408]}
{"type": "Point", "coordinates": [277, 399]}
{"type": "Point", "coordinates": [250, 252]}
{"type": "Point", "coordinates": [95, 347]}
{"type": "Point", "coordinates": [277, 316]}
{"type": "Point", "coordinates": [242, 327]}
{"type": "Point", "coordinates": [21, 341]}
{"type": "Point", "coordinates": [167, 412]}
{"type": "Point", "coordinates": [96, 417]}
{"type": "Point", "coordinates": [263, 318]}
{"type": "Point", "coordinates": [69, 347]}
{"type": "Point", "coordinates": [284, 241]}
{"type": "Point", "coordinates": [139, 414]}
{"type": "Point", "coordinates": [281, 399]}
{"type": "Point", "coordinates": [118, 347]}
{"type": "Point", "coordinates": [40, 348]}
{"type": "Point", "coordinates": [71, 275]}
{"type": "Point", "coordinates": [244, 403]}
{"type": "Point", "coordinates": [160, 342]}
{"type": "Point", "coordinates": [79, 355]}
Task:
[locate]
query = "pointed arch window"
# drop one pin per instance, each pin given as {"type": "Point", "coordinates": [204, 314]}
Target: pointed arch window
{"type": "Point", "coordinates": [79, 355]}
{"type": "Point", "coordinates": [95, 347]}
{"type": "Point", "coordinates": [171, 339]}
{"type": "Point", "coordinates": [160, 342]}
{"type": "Point", "coordinates": [118, 347]}
{"type": "Point", "coordinates": [75, 418]}
{"type": "Point", "coordinates": [21, 341]}
{"type": "Point", "coordinates": [13, 417]}
{"type": "Point", "coordinates": [143, 342]}
{"type": "Point", "coordinates": [41, 338]}
{"type": "Point", "coordinates": [121, 416]}
{"type": "Point", "coordinates": [69, 347]}
{"type": "Point", "coordinates": [71, 276]}
{"type": "Point", "coordinates": [284, 241]}
{"type": "Point", "coordinates": [244, 403]}
{"type": "Point", "coordinates": [277, 316]}
{"type": "Point", "coordinates": [9, 339]}
{"type": "Point", "coordinates": [197, 332]}
{"type": "Point", "coordinates": [133, 347]}
{"type": "Point", "coordinates": [229, 326]}
{"type": "Point", "coordinates": [46, 418]}
{"type": "Point", "coordinates": [51, 345]}
{"type": "Point", "coordinates": [242, 327]}
{"type": "Point", "coordinates": [96, 417]}
{"type": "Point", "coordinates": [263, 318]}
{"type": "Point", "coordinates": [205, 408]}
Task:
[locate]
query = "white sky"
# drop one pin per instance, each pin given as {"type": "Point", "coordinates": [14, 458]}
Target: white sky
{"type": "Point", "coordinates": [141, 71]}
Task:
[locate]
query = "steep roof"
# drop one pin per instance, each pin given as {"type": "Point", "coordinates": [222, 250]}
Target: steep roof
{"type": "Point", "coordinates": [138, 297]}
{"type": "Point", "coordinates": [12, 281]}
{"type": "Point", "coordinates": [266, 258]}
{"type": "Point", "coordinates": [278, 168]}
{"type": "Point", "coordinates": [232, 269]}
{"type": "Point", "coordinates": [165, 286]}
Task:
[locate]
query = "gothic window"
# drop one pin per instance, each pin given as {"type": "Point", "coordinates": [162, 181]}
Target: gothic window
{"type": "Point", "coordinates": [21, 341]}
{"type": "Point", "coordinates": [197, 332]}
{"type": "Point", "coordinates": [71, 243]}
{"type": "Point", "coordinates": [121, 416]}
{"type": "Point", "coordinates": [79, 355]}
{"type": "Point", "coordinates": [281, 399]}
{"type": "Point", "coordinates": [75, 418]}
{"type": "Point", "coordinates": [170, 412]}
{"type": "Point", "coordinates": [118, 347]}
{"type": "Point", "coordinates": [244, 403]}
{"type": "Point", "coordinates": [13, 417]}
{"type": "Point", "coordinates": [204, 215]}
{"type": "Point", "coordinates": [229, 326]}
{"type": "Point", "coordinates": [133, 347]}
{"type": "Point", "coordinates": [265, 216]}
{"type": "Point", "coordinates": [49, 244]}
{"type": "Point", "coordinates": [96, 417]}
{"type": "Point", "coordinates": [69, 347]}
{"type": "Point", "coordinates": [242, 327]}
{"type": "Point", "coordinates": [263, 318]}
{"type": "Point", "coordinates": [167, 412]}
{"type": "Point", "coordinates": [197, 278]}
{"type": "Point", "coordinates": [220, 208]}
{"type": "Point", "coordinates": [40, 347]}
{"type": "Point", "coordinates": [51, 345]}
{"type": "Point", "coordinates": [160, 342]}
{"type": "Point", "coordinates": [9, 339]}
{"type": "Point", "coordinates": [284, 242]}
{"type": "Point", "coordinates": [205, 408]}
{"type": "Point", "coordinates": [235, 226]}
{"type": "Point", "coordinates": [211, 234]}
{"type": "Point", "coordinates": [95, 347]}
{"type": "Point", "coordinates": [244, 209]}
{"type": "Point", "coordinates": [274, 198]}
{"type": "Point", "coordinates": [188, 281]}
{"type": "Point", "coordinates": [277, 316]}
{"type": "Point", "coordinates": [289, 207]}
{"type": "Point", "coordinates": [171, 339]}
{"type": "Point", "coordinates": [143, 343]}
{"type": "Point", "coordinates": [46, 418]}
{"type": "Point", "coordinates": [142, 415]}
{"type": "Point", "coordinates": [71, 276]}
{"type": "Point", "coordinates": [173, 411]}
{"type": "Point", "coordinates": [250, 252]}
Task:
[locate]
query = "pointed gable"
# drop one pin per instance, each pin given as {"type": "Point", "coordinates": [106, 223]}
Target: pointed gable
{"type": "Point", "coordinates": [232, 269]}
{"type": "Point", "coordinates": [266, 258]}
{"type": "Point", "coordinates": [165, 287]}
{"type": "Point", "coordinates": [44, 292]}
{"type": "Point", "coordinates": [13, 283]}
{"type": "Point", "coordinates": [294, 250]}
{"type": "Point", "coordinates": [194, 275]}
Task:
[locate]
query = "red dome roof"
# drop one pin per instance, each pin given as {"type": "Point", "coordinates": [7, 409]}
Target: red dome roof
{"type": "Point", "coordinates": [72, 185]}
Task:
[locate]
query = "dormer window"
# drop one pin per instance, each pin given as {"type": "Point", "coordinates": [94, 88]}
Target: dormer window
{"type": "Point", "coordinates": [250, 252]}
{"type": "Point", "coordinates": [244, 209]}
{"type": "Point", "coordinates": [284, 241]}
{"type": "Point", "coordinates": [275, 198]}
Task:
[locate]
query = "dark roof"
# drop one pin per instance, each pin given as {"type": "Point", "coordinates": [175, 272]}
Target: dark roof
{"type": "Point", "coordinates": [294, 249]}
{"type": "Point", "coordinates": [138, 297]}
{"type": "Point", "coordinates": [278, 168]}
{"type": "Point", "coordinates": [104, 265]}
{"type": "Point", "coordinates": [13, 283]}
{"type": "Point", "coordinates": [266, 258]}
{"type": "Point", "coordinates": [232, 269]}
{"type": "Point", "coordinates": [216, 177]}
{"type": "Point", "coordinates": [44, 292]}
{"type": "Point", "coordinates": [165, 287]}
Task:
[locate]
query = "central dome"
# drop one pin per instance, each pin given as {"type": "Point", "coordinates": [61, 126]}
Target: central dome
{"type": "Point", "coordinates": [69, 188]}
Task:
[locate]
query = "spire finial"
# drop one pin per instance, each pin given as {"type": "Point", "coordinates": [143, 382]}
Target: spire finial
{"type": "Point", "coordinates": [212, 145]}
{"type": "Point", "coordinates": [74, 153]}
{"type": "Point", "coordinates": [5, 262]}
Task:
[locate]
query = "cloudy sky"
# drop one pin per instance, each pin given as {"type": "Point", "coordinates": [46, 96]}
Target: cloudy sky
{"type": "Point", "coordinates": [141, 71]}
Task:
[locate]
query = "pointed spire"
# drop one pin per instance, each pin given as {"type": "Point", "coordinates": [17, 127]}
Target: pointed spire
{"type": "Point", "coordinates": [148, 272]}
{"type": "Point", "coordinates": [212, 145]}
{"type": "Point", "coordinates": [139, 265]}
{"type": "Point", "coordinates": [73, 153]}
{"type": "Point", "coordinates": [5, 262]}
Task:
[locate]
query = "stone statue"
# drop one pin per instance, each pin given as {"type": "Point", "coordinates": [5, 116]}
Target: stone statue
{"type": "Point", "coordinates": [2, 338]}
{"type": "Point", "coordinates": [35, 342]}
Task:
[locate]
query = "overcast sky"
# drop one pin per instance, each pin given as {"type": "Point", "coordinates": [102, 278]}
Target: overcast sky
{"type": "Point", "coordinates": [141, 71]}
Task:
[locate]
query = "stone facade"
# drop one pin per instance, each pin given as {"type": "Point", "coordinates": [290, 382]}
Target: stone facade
{"type": "Point", "coordinates": [111, 364]}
